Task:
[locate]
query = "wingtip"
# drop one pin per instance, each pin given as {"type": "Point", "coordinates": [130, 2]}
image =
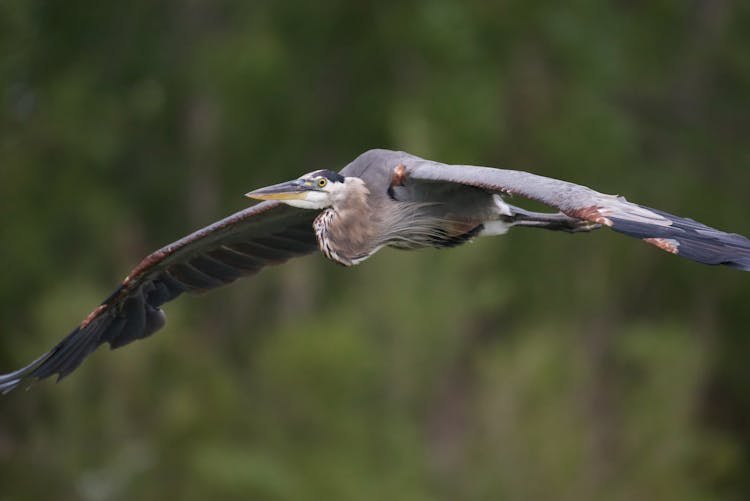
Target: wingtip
{"type": "Point", "coordinates": [8, 386]}
{"type": "Point", "coordinates": [12, 380]}
{"type": "Point", "coordinates": [690, 239]}
{"type": "Point", "coordinates": [742, 265]}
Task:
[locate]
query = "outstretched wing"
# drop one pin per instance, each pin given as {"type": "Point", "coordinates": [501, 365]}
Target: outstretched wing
{"type": "Point", "coordinates": [674, 234]}
{"type": "Point", "coordinates": [239, 245]}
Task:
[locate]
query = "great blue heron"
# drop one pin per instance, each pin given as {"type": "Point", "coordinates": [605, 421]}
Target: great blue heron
{"type": "Point", "coordinates": [382, 198]}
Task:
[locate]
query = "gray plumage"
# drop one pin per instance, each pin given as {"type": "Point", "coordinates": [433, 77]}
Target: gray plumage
{"type": "Point", "coordinates": [382, 198]}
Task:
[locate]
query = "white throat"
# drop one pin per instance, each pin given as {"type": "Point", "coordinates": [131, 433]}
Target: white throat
{"type": "Point", "coordinates": [352, 188]}
{"type": "Point", "coordinates": [313, 200]}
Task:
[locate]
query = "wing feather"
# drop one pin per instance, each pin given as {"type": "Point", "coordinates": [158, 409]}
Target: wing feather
{"type": "Point", "coordinates": [674, 234]}
{"type": "Point", "coordinates": [239, 245]}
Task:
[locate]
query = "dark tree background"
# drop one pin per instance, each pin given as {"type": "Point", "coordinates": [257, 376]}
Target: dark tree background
{"type": "Point", "coordinates": [535, 366]}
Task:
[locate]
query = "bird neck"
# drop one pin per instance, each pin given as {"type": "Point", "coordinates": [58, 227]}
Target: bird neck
{"type": "Point", "coordinates": [347, 232]}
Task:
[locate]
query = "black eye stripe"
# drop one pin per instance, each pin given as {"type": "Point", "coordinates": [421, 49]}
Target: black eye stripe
{"type": "Point", "coordinates": [330, 175]}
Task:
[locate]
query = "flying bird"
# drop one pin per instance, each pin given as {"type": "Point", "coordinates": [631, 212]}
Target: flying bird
{"type": "Point", "coordinates": [381, 199]}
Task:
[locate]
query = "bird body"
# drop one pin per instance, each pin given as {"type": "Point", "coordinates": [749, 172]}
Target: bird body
{"type": "Point", "coordinates": [381, 199]}
{"type": "Point", "coordinates": [358, 222]}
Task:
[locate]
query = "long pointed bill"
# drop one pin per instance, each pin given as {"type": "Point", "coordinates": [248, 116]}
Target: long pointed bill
{"type": "Point", "coordinates": [291, 190]}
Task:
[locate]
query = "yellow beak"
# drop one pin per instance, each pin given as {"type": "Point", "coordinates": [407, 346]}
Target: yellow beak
{"type": "Point", "coordinates": [291, 190]}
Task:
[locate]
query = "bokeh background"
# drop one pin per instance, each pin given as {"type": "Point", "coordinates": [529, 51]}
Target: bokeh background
{"type": "Point", "coordinates": [535, 366]}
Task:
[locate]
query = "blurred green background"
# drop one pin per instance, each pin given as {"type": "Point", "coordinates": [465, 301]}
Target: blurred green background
{"type": "Point", "coordinates": [535, 366]}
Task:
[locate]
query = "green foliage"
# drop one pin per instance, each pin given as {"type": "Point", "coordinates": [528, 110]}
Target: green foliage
{"type": "Point", "coordinates": [535, 366]}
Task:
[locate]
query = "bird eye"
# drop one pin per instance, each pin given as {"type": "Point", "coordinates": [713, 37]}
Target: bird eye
{"type": "Point", "coordinates": [322, 182]}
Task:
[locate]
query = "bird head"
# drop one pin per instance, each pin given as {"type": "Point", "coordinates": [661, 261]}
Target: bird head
{"type": "Point", "coordinates": [315, 190]}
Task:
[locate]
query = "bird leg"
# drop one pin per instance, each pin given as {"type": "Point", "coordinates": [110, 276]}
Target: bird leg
{"type": "Point", "coordinates": [555, 222]}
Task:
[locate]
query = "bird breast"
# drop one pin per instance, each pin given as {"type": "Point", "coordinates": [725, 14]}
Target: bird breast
{"type": "Point", "coordinates": [345, 238]}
